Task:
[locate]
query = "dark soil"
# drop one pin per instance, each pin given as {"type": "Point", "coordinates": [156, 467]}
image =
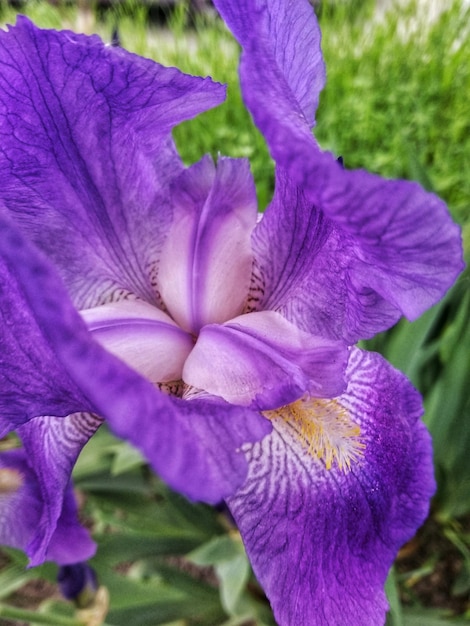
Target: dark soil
{"type": "Point", "coordinates": [431, 570]}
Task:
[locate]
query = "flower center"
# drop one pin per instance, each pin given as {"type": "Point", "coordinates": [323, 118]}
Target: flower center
{"type": "Point", "coordinates": [324, 428]}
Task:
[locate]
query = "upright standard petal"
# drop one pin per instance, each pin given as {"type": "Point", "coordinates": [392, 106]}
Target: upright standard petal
{"type": "Point", "coordinates": [21, 506]}
{"type": "Point", "coordinates": [333, 493]}
{"type": "Point", "coordinates": [194, 446]}
{"type": "Point", "coordinates": [407, 250]}
{"type": "Point", "coordinates": [288, 37]}
{"type": "Point", "coordinates": [86, 153]}
{"type": "Point", "coordinates": [206, 262]}
{"type": "Point", "coordinates": [306, 268]}
{"type": "Point", "coordinates": [262, 360]}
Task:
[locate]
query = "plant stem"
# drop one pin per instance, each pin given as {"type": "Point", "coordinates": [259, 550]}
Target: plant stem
{"type": "Point", "coordinates": [15, 613]}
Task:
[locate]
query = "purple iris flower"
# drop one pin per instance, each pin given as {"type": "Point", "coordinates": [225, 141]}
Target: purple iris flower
{"type": "Point", "coordinates": [78, 583]}
{"type": "Point", "coordinates": [150, 295]}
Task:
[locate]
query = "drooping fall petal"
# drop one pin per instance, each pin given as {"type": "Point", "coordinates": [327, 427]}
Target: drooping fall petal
{"type": "Point", "coordinates": [32, 380]}
{"type": "Point", "coordinates": [21, 509]}
{"type": "Point", "coordinates": [322, 540]}
{"type": "Point", "coordinates": [51, 446]}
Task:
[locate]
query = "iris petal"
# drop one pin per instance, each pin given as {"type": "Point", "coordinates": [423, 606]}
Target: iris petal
{"type": "Point", "coordinates": [52, 446]}
{"type": "Point", "coordinates": [308, 270]}
{"type": "Point", "coordinates": [261, 359]}
{"type": "Point", "coordinates": [321, 540]}
{"type": "Point", "coordinates": [144, 337]}
{"type": "Point", "coordinates": [406, 249]}
{"type": "Point", "coordinates": [77, 155]}
{"type": "Point", "coordinates": [287, 36]}
{"type": "Point", "coordinates": [32, 379]}
{"type": "Point", "coordinates": [206, 262]}
{"type": "Point", "coordinates": [21, 506]}
{"type": "Point", "coordinates": [194, 446]}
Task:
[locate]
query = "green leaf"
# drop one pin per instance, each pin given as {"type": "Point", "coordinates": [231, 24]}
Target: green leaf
{"type": "Point", "coordinates": [233, 576]}
{"type": "Point", "coordinates": [395, 616]}
{"type": "Point", "coordinates": [171, 594]}
{"type": "Point", "coordinates": [12, 578]}
{"type": "Point", "coordinates": [228, 557]}
{"type": "Point", "coordinates": [36, 617]}
{"type": "Point", "coordinates": [130, 547]}
{"type": "Point", "coordinates": [125, 458]}
{"type": "Point", "coordinates": [217, 550]}
{"type": "Point", "coordinates": [423, 617]}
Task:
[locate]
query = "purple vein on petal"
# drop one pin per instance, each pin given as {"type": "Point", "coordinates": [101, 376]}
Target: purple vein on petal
{"type": "Point", "coordinates": [86, 145]}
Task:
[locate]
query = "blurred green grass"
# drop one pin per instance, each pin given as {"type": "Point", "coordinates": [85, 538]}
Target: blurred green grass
{"type": "Point", "coordinates": [397, 103]}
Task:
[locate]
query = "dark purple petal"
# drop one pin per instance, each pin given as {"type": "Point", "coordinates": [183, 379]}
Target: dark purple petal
{"type": "Point", "coordinates": [205, 266]}
{"type": "Point", "coordinates": [197, 446]}
{"type": "Point", "coordinates": [21, 507]}
{"type": "Point", "coordinates": [52, 446]}
{"type": "Point", "coordinates": [78, 582]}
{"type": "Point", "coordinates": [321, 540]}
{"type": "Point", "coordinates": [287, 38]}
{"type": "Point", "coordinates": [32, 378]}
{"type": "Point", "coordinates": [193, 445]}
{"type": "Point", "coordinates": [86, 156]}
{"type": "Point", "coordinates": [307, 269]}
{"type": "Point", "coordinates": [262, 360]}
{"type": "Point", "coordinates": [407, 251]}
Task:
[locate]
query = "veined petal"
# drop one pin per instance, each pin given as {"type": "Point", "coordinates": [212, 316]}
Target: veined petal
{"type": "Point", "coordinates": [288, 38]}
{"type": "Point", "coordinates": [407, 250]}
{"type": "Point", "coordinates": [321, 540]}
{"type": "Point", "coordinates": [52, 446]}
{"type": "Point", "coordinates": [262, 360]}
{"type": "Point", "coordinates": [205, 267]}
{"type": "Point", "coordinates": [21, 507]}
{"type": "Point", "coordinates": [194, 446]}
{"type": "Point", "coordinates": [144, 337]}
{"type": "Point", "coordinates": [32, 380]}
{"type": "Point", "coordinates": [197, 447]}
{"type": "Point", "coordinates": [86, 152]}
{"type": "Point", "coordinates": [307, 269]}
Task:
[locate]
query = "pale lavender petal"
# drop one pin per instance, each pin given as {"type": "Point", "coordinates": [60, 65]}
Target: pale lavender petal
{"type": "Point", "coordinates": [406, 249]}
{"type": "Point", "coordinates": [262, 360]}
{"type": "Point", "coordinates": [21, 508]}
{"type": "Point", "coordinates": [206, 262]}
{"type": "Point", "coordinates": [142, 336]}
{"type": "Point", "coordinates": [86, 155]}
{"type": "Point", "coordinates": [193, 445]}
{"type": "Point", "coordinates": [52, 446]}
{"type": "Point", "coordinates": [321, 540]}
